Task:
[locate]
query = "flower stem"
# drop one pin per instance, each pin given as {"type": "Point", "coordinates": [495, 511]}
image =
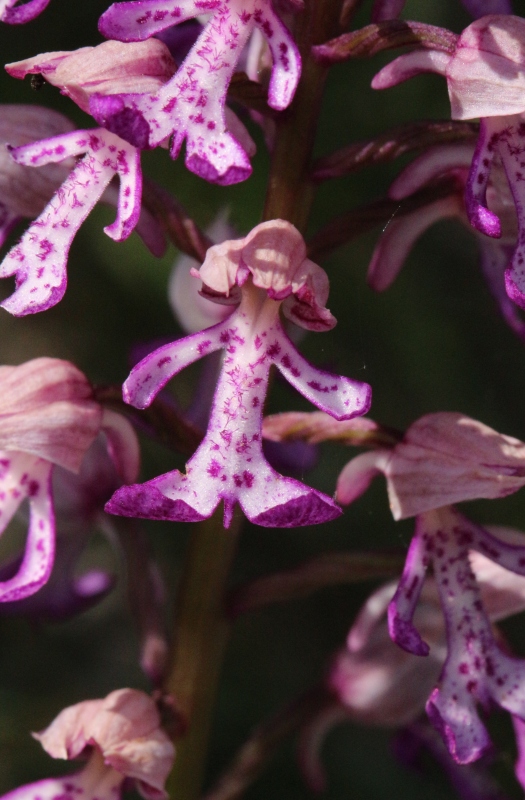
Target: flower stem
{"type": "Point", "coordinates": [290, 190]}
{"type": "Point", "coordinates": [202, 631]}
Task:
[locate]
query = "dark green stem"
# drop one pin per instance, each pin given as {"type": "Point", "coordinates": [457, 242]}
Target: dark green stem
{"type": "Point", "coordinates": [202, 630]}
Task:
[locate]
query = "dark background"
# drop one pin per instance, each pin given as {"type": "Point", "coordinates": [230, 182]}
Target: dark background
{"type": "Point", "coordinates": [432, 342]}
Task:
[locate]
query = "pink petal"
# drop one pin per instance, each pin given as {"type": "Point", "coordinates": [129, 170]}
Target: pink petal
{"type": "Point", "coordinates": [138, 20]}
{"type": "Point", "coordinates": [409, 65]}
{"type": "Point", "coordinates": [480, 217]}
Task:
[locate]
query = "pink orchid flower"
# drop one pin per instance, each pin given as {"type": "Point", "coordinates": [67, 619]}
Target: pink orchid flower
{"type": "Point", "coordinates": [262, 272]}
{"type": "Point", "coordinates": [16, 13]}
{"type": "Point", "coordinates": [39, 260]}
{"type": "Point", "coordinates": [373, 682]}
{"type": "Point", "coordinates": [122, 738]}
{"type": "Point", "coordinates": [191, 105]}
{"type": "Point", "coordinates": [485, 73]}
{"type": "Point", "coordinates": [443, 459]}
{"type": "Point", "coordinates": [48, 418]}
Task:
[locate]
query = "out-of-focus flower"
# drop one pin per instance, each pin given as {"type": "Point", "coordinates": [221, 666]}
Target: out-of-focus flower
{"type": "Point", "coordinates": [485, 74]}
{"type": "Point", "coordinates": [265, 270]}
{"type": "Point", "coordinates": [122, 738]}
{"type": "Point", "coordinates": [191, 106]}
{"type": "Point", "coordinates": [16, 13]}
{"type": "Point", "coordinates": [373, 682]}
{"type": "Point", "coordinates": [48, 417]}
{"type": "Point", "coordinates": [39, 260]}
{"type": "Point", "coordinates": [399, 236]}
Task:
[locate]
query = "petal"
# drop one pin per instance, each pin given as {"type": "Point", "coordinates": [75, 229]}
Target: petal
{"type": "Point", "coordinates": [23, 13]}
{"type": "Point", "coordinates": [479, 215]}
{"type": "Point", "coordinates": [286, 68]}
{"type": "Point", "coordinates": [409, 65]}
{"type": "Point", "coordinates": [27, 476]}
{"type": "Point", "coordinates": [130, 193]}
{"type": "Point", "coordinates": [433, 163]}
{"type": "Point", "coordinates": [55, 417]}
{"type": "Point", "coordinates": [340, 397]}
{"type": "Point", "coordinates": [446, 458]}
{"type": "Point", "coordinates": [402, 607]}
{"type": "Point", "coordinates": [134, 21]}
{"type": "Point", "coordinates": [358, 474]}
{"type": "Point", "coordinates": [149, 376]}
{"type": "Point", "coordinates": [485, 76]}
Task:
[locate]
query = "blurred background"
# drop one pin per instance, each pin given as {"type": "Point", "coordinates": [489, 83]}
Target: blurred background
{"type": "Point", "coordinates": [432, 342]}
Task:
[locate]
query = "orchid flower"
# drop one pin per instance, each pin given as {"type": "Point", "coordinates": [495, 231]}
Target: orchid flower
{"type": "Point", "coordinates": [122, 738]}
{"type": "Point", "coordinates": [48, 418]}
{"type": "Point", "coordinates": [399, 236]}
{"type": "Point", "coordinates": [443, 459]}
{"type": "Point", "coordinates": [265, 270]}
{"type": "Point", "coordinates": [485, 75]}
{"type": "Point", "coordinates": [372, 682]}
{"type": "Point", "coordinates": [18, 13]}
{"type": "Point", "coordinates": [39, 260]}
{"type": "Point", "coordinates": [191, 105]}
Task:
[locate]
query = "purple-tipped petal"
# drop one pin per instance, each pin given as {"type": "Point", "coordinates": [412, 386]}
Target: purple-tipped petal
{"type": "Point", "coordinates": [481, 8]}
{"type": "Point", "coordinates": [403, 605]}
{"type": "Point", "coordinates": [156, 369]}
{"type": "Point", "coordinates": [147, 502]}
{"type": "Point", "coordinates": [480, 217]}
{"type": "Point", "coordinates": [340, 397]}
{"type": "Point", "coordinates": [136, 21]}
{"type": "Point", "coordinates": [18, 15]}
{"type": "Point", "coordinates": [39, 261]}
{"type": "Point", "coordinates": [387, 9]}
{"type": "Point", "coordinates": [24, 476]}
{"type": "Point", "coordinates": [286, 67]}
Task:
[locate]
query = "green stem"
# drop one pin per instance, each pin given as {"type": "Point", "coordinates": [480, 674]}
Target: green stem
{"type": "Point", "coordinates": [290, 190]}
{"type": "Point", "coordinates": [202, 631]}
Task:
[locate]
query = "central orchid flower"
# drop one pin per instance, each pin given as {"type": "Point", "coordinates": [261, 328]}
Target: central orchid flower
{"type": "Point", "coordinates": [485, 72]}
{"type": "Point", "coordinates": [191, 105]}
{"type": "Point", "coordinates": [266, 270]}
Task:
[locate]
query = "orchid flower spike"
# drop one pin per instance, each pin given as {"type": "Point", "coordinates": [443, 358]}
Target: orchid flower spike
{"type": "Point", "coordinates": [373, 682]}
{"type": "Point", "coordinates": [443, 459]}
{"type": "Point", "coordinates": [39, 260]}
{"type": "Point", "coordinates": [191, 105]}
{"type": "Point", "coordinates": [398, 238]}
{"type": "Point", "coordinates": [16, 13]}
{"type": "Point", "coordinates": [485, 75]}
{"type": "Point", "coordinates": [122, 738]}
{"type": "Point", "coordinates": [263, 271]}
{"type": "Point", "coordinates": [48, 418]}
